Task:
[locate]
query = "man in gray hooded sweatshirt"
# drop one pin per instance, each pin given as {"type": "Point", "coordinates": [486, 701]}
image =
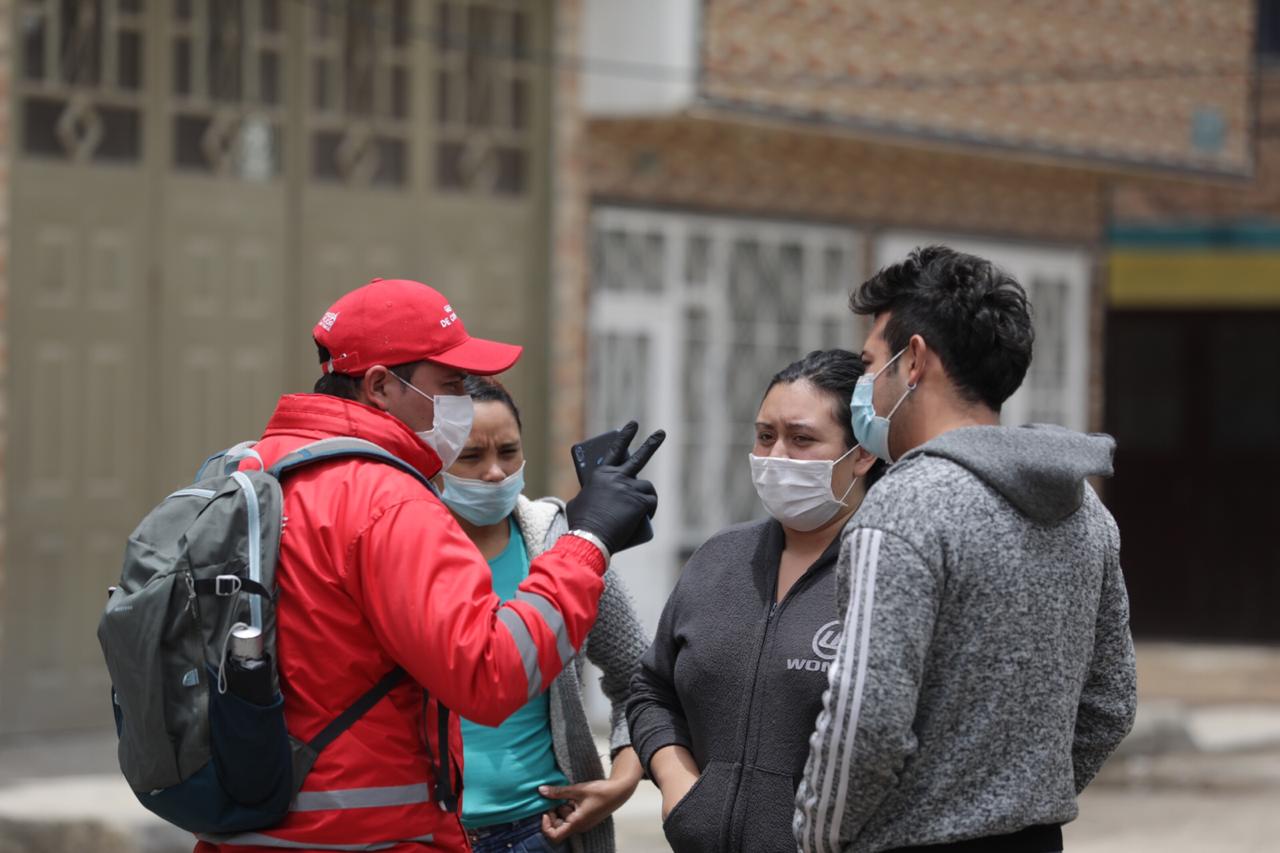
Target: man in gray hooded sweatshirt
{"type": "Point", "coordinates": [986, 668]}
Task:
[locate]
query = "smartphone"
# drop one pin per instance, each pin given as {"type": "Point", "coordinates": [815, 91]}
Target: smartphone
{"type": "Point", "coordinates": [589, 455]}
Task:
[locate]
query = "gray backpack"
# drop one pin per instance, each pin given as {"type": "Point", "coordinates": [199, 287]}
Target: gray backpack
{"type": "Point", "coordinates": [201, 564]}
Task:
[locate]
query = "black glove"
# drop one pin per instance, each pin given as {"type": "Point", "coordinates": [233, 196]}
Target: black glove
{"type": "Point", "coordinates": [613, 504]}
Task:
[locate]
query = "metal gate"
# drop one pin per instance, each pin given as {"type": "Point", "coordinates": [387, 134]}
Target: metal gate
{"type": "Point", "coordinates": [193, 181]}
{"type": "Point", "coordinates": [690, 318]}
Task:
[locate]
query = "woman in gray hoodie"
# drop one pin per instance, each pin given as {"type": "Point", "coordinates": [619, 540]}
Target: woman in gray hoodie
{"type": "Point", "coordinates": [535, 783]}
{"type": "Point", "coordinates": [725, 699]}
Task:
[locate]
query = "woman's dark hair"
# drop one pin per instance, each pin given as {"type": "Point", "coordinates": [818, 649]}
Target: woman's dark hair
{"type": "Point", "coordinates": [972, 313]}
{"type": "Point", "coordinates": [347, 387]}
{"type": "Point", "coordinates": [834, 372]}
{"type": "Point", "coordinates": [486, 389]}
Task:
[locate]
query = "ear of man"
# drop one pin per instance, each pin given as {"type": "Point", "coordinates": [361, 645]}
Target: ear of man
{"type": "Point", "coordinates": [375, 387]}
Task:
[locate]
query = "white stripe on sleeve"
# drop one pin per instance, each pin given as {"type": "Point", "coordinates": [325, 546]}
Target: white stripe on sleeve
{"type": "Point", "coordinates": [864, 644]}
{"type": "Point", "coordinates": [840, 690]}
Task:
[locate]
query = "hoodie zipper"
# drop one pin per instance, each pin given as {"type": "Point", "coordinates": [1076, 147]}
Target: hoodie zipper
{"type": "Point", "coordinates": [751, 736]}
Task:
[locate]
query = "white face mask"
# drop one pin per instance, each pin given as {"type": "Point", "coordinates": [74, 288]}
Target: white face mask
{"type": "Point", "coordinates": [451, 425]}
{"type": "Point", "coordinates": [797, 492]}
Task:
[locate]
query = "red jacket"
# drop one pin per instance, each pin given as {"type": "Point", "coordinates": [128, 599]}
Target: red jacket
{"type": "Point", "coordinates": [373, 573]}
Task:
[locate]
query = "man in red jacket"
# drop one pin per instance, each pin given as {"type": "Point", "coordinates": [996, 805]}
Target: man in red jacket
{"type": "Point", "coordinates": [374, 573]}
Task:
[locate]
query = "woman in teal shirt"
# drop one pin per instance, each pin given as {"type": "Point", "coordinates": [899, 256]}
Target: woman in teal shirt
{"type": "Point", "coordinates": [535, 783]}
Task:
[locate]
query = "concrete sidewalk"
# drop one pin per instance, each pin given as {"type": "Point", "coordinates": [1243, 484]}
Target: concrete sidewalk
{"type": "Point", "coordinates": [1207, 740]}
{"type": "Point", "coordinates": [1205, 699]}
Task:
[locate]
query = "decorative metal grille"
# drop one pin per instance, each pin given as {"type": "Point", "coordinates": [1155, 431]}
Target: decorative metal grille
{"type": "Point", "coordinates": [227, 80]}
{"type": "Point", "coordinates": [80, 85]}
{"type": "Point", "coordinates": [723, 304]}
{"type": "Point", "coordinates": [627, 261]}
{"type": "Point", "coordinates": [360, 91]}
{"type": "Point", "coordinates": [1047, 378]}
{"type": "Point", "coordinates": [484, 96]}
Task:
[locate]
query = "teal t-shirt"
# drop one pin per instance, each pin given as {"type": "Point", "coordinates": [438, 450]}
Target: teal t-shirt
{"type": "Point", "coordinates": [503, 766]}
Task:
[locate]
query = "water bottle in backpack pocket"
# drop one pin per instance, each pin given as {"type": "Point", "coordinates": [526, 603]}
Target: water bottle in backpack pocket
{"type": "Point", "coordinates": [189, 637]}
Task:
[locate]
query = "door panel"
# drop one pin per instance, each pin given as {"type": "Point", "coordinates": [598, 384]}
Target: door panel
{"type": "Point", "coordinates": [1197, 464]}
{"type": "Point", "coordinates": [222, 318]}
{"type": "Point", "coordinates": [77, 438]}
{"type": "Point", "coordinates": [193, 183]}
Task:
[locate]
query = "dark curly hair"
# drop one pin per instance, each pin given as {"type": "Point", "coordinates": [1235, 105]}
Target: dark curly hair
{"type": "Point", "coordinates": [972, 313]}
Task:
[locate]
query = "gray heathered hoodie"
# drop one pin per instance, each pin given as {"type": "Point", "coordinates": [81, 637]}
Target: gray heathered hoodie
{"type": "Point", "coordinates": [986, 668]}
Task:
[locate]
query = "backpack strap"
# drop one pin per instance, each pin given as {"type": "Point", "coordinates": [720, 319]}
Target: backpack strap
{"type": "Point", "coordinates": [339, 448]}
{"type": "Point", "coordinates": [230, 585]}
{"type": "Point", "coordinates": [336, 448]}
{"type": "Point", "coordinates": [358, 708]}
{"type": "Point", "coordinates": [445, 794]}
{"type": "Point", "coordinates": [227, 460]}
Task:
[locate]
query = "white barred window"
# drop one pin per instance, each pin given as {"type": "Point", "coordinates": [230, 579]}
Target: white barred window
{"type": "Point", "coordinates": [690, 318]}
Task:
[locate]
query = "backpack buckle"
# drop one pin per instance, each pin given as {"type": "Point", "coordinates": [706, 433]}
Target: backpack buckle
{"type": "Point", "coordinates": [226, 585]}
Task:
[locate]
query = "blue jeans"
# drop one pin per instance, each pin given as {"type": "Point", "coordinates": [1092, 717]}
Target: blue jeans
{"type": "Point", "coordinates": [523, 836]}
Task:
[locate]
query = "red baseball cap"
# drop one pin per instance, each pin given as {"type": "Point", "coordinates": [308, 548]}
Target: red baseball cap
{"type": "Point", "coordinates": [395, 321]}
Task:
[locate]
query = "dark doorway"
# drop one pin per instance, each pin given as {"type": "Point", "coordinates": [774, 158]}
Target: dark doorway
{"type": "Point", "coordinates": [1193, 399]}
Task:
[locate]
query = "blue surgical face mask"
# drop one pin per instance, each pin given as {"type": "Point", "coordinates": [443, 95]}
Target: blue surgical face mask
{"type": "Point", "coordinates": [871, 430]}
{"type": "Point", "coordinates": [480, 502]}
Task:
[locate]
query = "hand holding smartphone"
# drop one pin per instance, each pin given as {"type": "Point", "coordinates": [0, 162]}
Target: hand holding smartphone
{"type": "Point", "coordinates": [612, 448]}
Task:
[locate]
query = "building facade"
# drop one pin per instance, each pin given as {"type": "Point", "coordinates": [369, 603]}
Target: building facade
{"type": "Point", "coordinates": [1193, 350]}
{"type": "Point", "coordinates": [744, 165]}
{"type": "Point", "coordinates": [666, 202]}
{"type": "Point", "coordinates": [190, 183]}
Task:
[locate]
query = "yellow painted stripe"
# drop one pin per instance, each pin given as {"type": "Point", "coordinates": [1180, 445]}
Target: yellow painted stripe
{"type": "Point", "coordinates": [1194, 279]}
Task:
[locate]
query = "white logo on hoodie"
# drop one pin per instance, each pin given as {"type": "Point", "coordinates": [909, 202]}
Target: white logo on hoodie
{"type": "Point", "coordinates": [825, 642]}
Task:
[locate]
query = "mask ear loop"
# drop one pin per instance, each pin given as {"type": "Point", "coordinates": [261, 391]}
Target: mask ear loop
{"type": "Point", "coordinates": [409, 384]}
{"type": "Point", "coordinates": [901, 400]}
{"type": "Point", "coordinates": [852, 483]}
{"type": "Point", "coordinates": [887, 364]}
{"type": "Point", "coordinates": [855, 479]}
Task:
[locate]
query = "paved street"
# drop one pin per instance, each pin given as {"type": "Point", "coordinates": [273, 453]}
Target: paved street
{"type": "Point", "coordinates": [1201, 772]}
{"type": "Point", "coordinates": [1187, 804]}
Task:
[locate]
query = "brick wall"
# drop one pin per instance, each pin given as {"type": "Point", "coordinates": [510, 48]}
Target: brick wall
{"type": "Point", "coordinates": [1146, 201]}
{"type": "Point", "coordinates": [568, 326]}
{"type": "Point", "coordinates": [6, 160]}
{"type": "Point", "coordinates": [1151, 80]}
{"type": "Point", "coordinates": [743, 167]}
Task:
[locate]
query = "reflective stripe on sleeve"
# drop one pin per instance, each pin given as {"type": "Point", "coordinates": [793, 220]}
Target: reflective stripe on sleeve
{"type": "Point", "coordinates": [528, 648]}
{"type": "Point", "coordinates": [555, 623]}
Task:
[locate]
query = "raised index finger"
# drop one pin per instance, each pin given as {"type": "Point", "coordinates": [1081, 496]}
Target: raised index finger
{"type": "Point", "coordinates": [617, 451]}
{"type": "Point", "coordinates": [640, 458]}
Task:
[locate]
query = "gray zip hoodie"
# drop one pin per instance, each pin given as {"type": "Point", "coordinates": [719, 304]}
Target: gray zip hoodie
{"type": "Point", "coordinates": [737, 680]}
{"type": "Point", "coordinates": [986, 668]}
